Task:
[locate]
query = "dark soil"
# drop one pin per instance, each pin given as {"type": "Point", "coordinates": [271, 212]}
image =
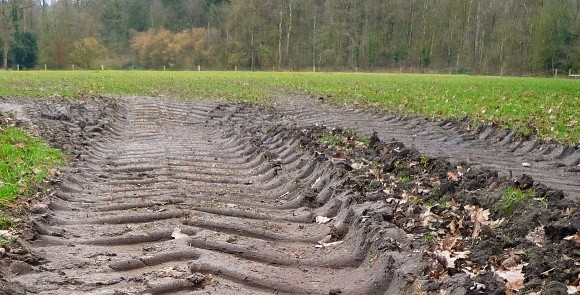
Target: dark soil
{"type": "Point", "coordinates": [174, 197]}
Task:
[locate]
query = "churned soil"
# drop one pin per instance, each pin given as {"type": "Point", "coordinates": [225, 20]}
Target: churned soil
{"type": "Point", "coordinates": [164, 196]}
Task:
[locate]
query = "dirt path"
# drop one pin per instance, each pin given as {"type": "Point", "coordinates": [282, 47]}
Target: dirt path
{"type": "Point", "coordinates": [176, 197]}
{"type": "Point", "coordinates": [160, 166]}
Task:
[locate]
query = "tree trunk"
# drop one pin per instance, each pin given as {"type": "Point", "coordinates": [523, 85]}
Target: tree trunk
{"type": "Point", "coordinates": [501, 57]}
{"type": "Point", "coordinates": [424, 33]}
{"type": "Point", "coordinates": [476, 45]}
{"type": "Point", "coordinates": [280, 42]}
{"type": "Point", "coordinates": [289, 28]}
{"type": "Point", "coordinates": [253, 54]}
{"type": "Point", "coordinates": [314, 40]}
{"type": "Point", "coordinates": [5, 55]}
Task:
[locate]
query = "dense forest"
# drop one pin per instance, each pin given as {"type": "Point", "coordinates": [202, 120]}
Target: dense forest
{"type": "Point", "coordinates": [495, 37]}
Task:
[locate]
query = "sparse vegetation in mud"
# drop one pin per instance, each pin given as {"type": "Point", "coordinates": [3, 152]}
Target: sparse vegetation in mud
{"type": "Point", "coordinates": [477, 227]}
{"type": "Point", "coordinates": [345, 139]}
{"type": "Point", "coordinates": [6, 222]}
{"type": "Point", "coordinates": [513, 197]}
{"type": "Point", "coordinates": [331, 140]}
{"type": "Point", "coordinates": [406, 179]}
{"type": "Point", "coordinates": [430, 238]}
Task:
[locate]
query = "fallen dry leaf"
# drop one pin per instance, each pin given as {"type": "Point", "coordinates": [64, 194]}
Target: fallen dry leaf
{"type": "Point", "coordinates": [453, 203]}
{"type": "Point", "coordinates": [575, 238]}
{"type": "Point", "coordinates": [340, 155]}
{"type": "Point", "coordinates": [479, 217]}
{"type": "Point", "coordinates": [493, 224]}
{"type": "Point", "coordinates": [176, 234]}
{"type": "Point", "coordinates": [514, 277]}
{"type": "Point", "coordinates": [547, 272]}
{"type": "Point", "coordinates": [356, 166]}
{"type": "Point", "coordinates": [453, 226]}
{"type": "Point", "coordinates": [450, 257]}
{"type": "Point", "coordinates": [325, 240]}
{"type": "Point", "coordinates": [322, 219]}
{"type": "Point", "coordinates": [427, 218]}
{"type": "Point", "coordinates": [479, 286]}
{"type": "Point", "coordinates": [517, 252]}
{"type": "Point", "coordinates": [448, 243]}
{"type": "Point", "coordinates": [378, 174]}
{"type": "Point", "coordinates": [324, 245]}
{"type": "Point", "coordinates": [453, 176]}
{"type": "Point", "coordinates": [316, 182]}
{"type": "Point", "coordinates": [53, 172]}
{"type": "Point", "coordinates": [511, 261]}
{"type": "Point", "coordinates": [494, 186]}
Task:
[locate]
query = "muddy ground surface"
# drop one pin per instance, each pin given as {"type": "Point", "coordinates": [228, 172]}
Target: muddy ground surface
{"type": "Point", "coordinates": [173, 197]}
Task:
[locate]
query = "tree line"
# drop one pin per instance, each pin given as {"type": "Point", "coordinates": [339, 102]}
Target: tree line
{"type": "Point", "coordinates": [495, 37]}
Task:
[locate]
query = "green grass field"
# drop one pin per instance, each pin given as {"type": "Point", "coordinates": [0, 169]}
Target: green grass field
{"type": "Point", "coordinates": [24, 162]}
{"type": "Point", "coordinates": [547, 107]}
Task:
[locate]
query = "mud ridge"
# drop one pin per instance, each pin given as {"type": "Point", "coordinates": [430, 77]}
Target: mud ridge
{"type": "Point", "coordinates": [553, 164]}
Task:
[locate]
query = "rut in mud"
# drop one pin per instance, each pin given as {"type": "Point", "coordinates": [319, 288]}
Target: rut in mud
{"type": "Point", "coordinates": [168, 196]}
{"type": "Point", "coordinates": [504, 150]}
{"type": "Point", "coordinates": [172, 192]}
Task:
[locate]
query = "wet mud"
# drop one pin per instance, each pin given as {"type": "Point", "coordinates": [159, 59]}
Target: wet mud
{"type": "Point", "coordinates": [166, 196]}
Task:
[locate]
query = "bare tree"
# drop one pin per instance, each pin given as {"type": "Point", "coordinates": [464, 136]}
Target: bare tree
{"type": "Point", "coordinates": [9, 10]}
{"type": "Point", "coordinates": [476, 36]}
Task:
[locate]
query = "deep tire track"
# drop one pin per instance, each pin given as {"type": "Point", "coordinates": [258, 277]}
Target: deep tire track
{"type": "Point", "coordinates": [243, 192]}
{"type": "Point", "coordinates": [552, 164]}
{"type": "Point", "coordinates": [237, 197]}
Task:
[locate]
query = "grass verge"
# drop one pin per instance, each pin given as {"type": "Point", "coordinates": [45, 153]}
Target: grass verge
{"type": "Point", "coordinates": [24, 162]}
{"type": "Point", "coordinates": [545, 107]}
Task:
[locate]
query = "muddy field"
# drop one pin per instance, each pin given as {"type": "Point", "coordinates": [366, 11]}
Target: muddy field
{"type": "Point", "coordinates": [199, 197]}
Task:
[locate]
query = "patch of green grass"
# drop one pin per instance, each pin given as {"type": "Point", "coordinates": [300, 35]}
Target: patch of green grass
{"type": "Point", "coordinates": [4, 242]}
{"type": "Point", "coordinates": [549, 105]}
{"type": "Point", "coordinates": [442, 204]}
{"type": "Point", "coordinates": [24, 162]}
{"type": "Point", "coordinates": [435, 193]}
{"type": "Point", "coordinates": [407, 178]}
{"type": "Point", "coordinates": [6, 223]}
{"type": "Point", "coordinates": [544, 202]}
{"type": "Point", "coordinates": [431, 203]}
{"type": "Point", "coordinates": [514, 198]}
{"type": "Point", "coordinates": [331, 140]}
{"type": "Point", "coordinates": [342, 139]}
{"type": "Point", "coordinates": [365, 140]}
{"type": "Point", "coordinates": [352, 134]}
{"type": "Point", "coordinates": [426, 163]}
{"type": "Point", "coordinates": [430, 237]}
